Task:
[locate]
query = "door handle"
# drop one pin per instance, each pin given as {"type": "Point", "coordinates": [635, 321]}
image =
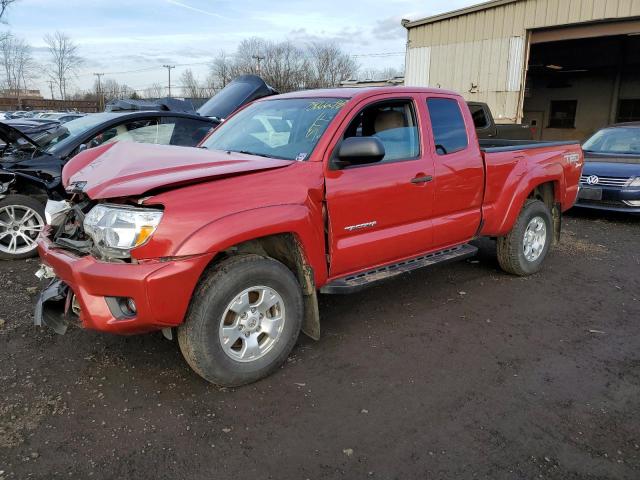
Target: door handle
{"type": "Point", "coordinates": [425, 179]}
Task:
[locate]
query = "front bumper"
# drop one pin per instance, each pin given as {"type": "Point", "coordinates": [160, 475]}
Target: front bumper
{"type": "Point", "coordinates": [160, 289]}
{"type": "Point", "coordinates": [612, 199]}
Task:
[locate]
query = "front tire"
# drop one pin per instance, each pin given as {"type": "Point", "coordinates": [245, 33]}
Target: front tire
{"type": "Point", "coordinates": [21, 221]}
{"type": "Point", "coordinates": [244, 319]}
{"type": "Point", "coordinates": [523, 250]}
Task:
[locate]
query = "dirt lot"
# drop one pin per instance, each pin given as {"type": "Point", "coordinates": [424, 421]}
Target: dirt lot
{"type": "Point", "coordinates": [457, 372]}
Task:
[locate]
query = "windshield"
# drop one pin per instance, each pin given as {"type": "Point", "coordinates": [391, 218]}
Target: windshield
{"type": "Point", "coordinates": [619, 140]}
{"type": "Point", "coordinates": [287, 128]}
{"type": "Point", "coordinates": [71, 130]}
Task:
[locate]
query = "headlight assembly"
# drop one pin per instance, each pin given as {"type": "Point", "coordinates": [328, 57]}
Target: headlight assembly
{"type": "Point", "coordinates": [634, 182]}
{"type": "Point", "coordinates": [116, 229]}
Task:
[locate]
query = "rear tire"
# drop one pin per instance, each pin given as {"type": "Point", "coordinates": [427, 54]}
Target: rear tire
{"type": "Point", "coordinates": [243, 321]}
{"type": "Point", "coordinates": [523, 250]}
{"type": "Point", "coordinates": [21, 221]}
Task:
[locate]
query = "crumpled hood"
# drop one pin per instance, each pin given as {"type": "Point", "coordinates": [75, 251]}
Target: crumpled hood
{"type": "Point", "coordinates": [124, 169]}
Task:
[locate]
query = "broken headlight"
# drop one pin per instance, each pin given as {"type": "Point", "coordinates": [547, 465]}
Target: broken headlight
{"type": "Point", "coordinates": [116, 229]}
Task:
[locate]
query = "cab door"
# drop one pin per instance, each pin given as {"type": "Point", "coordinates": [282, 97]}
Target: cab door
{"type": "Point", "coordinates": [459, 169]}
{"type": "Point", "coordinates": [380, 212]}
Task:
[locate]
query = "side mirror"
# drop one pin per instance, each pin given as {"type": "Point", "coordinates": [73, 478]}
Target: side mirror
{"type": "Point", "coordinates": [82, 147]}
{"type": "Point", "coordinates": [360, 151]}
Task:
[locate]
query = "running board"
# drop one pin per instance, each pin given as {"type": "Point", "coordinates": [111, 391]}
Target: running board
{"type": "Point", "coordinates": [360, 281]}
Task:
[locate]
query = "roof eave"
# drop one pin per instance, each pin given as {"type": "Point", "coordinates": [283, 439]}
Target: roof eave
{"type": "Point", "coordinates": [457, 13]}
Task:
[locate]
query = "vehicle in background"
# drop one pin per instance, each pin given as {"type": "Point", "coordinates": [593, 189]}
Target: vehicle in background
{"type": "Point", "coordinates": [31, 173]}
{"type": "Point", "coordinates": [38, 130]}
{"type": "Point", "coordinates": [30, 170]}
{"type": "Point", "coordinates": [486, 127]}
{"type": "Point", "coordinates": [62, 117]}
{"type": "Point", "coordinates": [231, 242]}
{"type": "Point", "coordinates": [17, 114]}
{"type": "Point", "coordinates": [611, 176]}
{"type": "Point", "coordinates": [240, 91]}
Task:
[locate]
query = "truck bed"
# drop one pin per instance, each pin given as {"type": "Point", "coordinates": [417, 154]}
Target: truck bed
{"type": "Point", "coordinates": [505, 145]}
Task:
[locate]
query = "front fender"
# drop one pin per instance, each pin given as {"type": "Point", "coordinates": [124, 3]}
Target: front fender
{"type": "Point", "coordinates": [237, 228]}
{"type": "Point", "coordinates": [513, 200]}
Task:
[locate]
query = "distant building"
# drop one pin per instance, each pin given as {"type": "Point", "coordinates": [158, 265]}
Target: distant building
{"type": "Point", "coordinates": [391, 82]}
{"type": "Point", "coordinates": [22, 93]}
{"type": "Point", "coordinates": [566, 67]}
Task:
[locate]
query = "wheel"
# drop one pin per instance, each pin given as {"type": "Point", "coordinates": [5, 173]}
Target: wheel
{"type": "Point", "coordinates": [524, 248]}
{"type": "Point", "coordinates": [243, 321]}
{"type": "Point", "coordinates": [21, 221]}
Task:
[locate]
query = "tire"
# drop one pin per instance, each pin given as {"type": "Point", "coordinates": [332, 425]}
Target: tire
{"type": "Point", "coordinates": [20, 243]}
{"type": "Point", "coordinates": [217, 357]}
{"type": "Point", "coordinates": [513, 255]}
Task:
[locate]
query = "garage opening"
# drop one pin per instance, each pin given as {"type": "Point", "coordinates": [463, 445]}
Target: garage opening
{"type": "Point", "coordinates": [582, 79]}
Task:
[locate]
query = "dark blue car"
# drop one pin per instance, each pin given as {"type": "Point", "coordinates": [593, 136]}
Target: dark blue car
{"type": "Point", "coordinates": [611, 176]}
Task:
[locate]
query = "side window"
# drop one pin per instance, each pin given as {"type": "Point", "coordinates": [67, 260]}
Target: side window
{"type": "Point", "coordinates": [394, 123]}
{"type": "Point", "coordinates": [449, 132]}
{"type": "Point", "coordinates": [186, 132]}
{"type": "Point", "coordinates": [479, 117]}
{"type": "Point", "coordinates": [138, 131]}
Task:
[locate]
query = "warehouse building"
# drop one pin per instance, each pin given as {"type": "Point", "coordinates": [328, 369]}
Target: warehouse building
{"type": "Point", "coordinates": [566, 67]}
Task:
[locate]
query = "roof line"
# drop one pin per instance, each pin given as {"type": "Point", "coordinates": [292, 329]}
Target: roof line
{"type": "Point", "coordinates": [457, 13]}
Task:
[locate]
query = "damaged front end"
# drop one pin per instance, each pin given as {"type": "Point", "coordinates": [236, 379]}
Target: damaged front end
{"type": "Point", "coordinates": [66, 221]}
{"type": "Point", "coordinates": [56, 306]}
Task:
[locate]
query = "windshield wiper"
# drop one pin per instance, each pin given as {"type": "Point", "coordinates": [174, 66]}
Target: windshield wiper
{"type": "Point", "coordinates": [247, 152]}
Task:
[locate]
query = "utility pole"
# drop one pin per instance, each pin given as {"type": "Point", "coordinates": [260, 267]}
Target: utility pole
{"type": "Point", "coordinates": [169, 67]}
{"type": "Point", "coordinates": [100, 97]}
{"type": "Point", "coordinates": [258, 59]}
{"type": "Point", "coordinates": [51, 88]}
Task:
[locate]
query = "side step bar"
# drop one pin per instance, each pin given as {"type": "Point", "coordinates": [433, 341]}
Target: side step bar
{"type": "Point", "coordinates": [362, 280]}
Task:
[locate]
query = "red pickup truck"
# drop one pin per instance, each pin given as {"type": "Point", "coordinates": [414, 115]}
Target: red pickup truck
{"type": "Point", "coordinates": [326, 191]}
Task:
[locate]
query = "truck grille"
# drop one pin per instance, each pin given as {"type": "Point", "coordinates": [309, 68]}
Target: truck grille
{"type": "Point", "coordinates": [604, 181]}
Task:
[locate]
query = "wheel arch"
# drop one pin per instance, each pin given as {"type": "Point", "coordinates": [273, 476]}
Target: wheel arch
{"type": "Point", "coordinates": [545, 184]}
{"type": "Point", "coordinates": [286, 233]}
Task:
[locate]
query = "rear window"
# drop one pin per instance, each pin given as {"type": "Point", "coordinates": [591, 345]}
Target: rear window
{"type": "Point", "coordinates": [479, 117]}
{"type": "Point", "coordinates": [449, 132]}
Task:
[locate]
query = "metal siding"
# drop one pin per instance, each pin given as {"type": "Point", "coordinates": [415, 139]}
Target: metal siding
{"type": "Point", "coordinates": [418, 62]}
{"type": "Point", "coordinates": [478, 48]}
{"type": "Point", "coordinates": [516, 64]}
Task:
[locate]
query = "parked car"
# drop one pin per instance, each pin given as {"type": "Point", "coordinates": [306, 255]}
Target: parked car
{"type": "Point", "coordinates": [31, 173]}
{"type": "Point", "coordinates": [486, 127]}
{"type": "Point", "coordinates": [40, 131]}
{"type": "Point", "coordinates": [62, 117]}
{"type": "Point", "coordinates": [611, 176]}
{"type": "Point", "coordinates": [231, 242]}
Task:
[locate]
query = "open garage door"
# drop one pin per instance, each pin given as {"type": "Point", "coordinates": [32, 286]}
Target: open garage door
{"type": "Point", "coordinates": [582, 78]}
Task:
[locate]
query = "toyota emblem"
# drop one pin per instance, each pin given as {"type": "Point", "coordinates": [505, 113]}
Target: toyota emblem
{"type": "Point", "coordinates": [592, 180]}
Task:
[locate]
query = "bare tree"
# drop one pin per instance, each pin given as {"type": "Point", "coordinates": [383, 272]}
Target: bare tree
{"type": "Point", "coordinates": [4, 5]}
{"type": "Point", "coordinates": [113, 90]}
{"type": "Point", "coordinates": [329, 65]}
{"type": "Point", "coordinates": [154, 91]}
{"type": "Point", "coordinates": [18, 65]}
{"type": "Point", "coordinates": [220, 70]}
{"type": "Point", "coordinates": [286, 66]}
{"type": "Point", "coordinates": [190, 86]}
{"type": "Point", "coordinates": [64, 62]}
{"type": "Point", "coordinates": [380, 74]}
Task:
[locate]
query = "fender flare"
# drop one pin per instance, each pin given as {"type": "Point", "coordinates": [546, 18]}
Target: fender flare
{"type": "Point", "coordinates": [548, 173]}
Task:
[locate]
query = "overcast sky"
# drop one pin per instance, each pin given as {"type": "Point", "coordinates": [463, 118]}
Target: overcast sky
{"type": "Point", "coordinates": [124, 35]}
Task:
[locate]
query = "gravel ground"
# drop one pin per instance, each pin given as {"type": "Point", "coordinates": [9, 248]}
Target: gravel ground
{"type": "Point", "coordinates": [459, 371]}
